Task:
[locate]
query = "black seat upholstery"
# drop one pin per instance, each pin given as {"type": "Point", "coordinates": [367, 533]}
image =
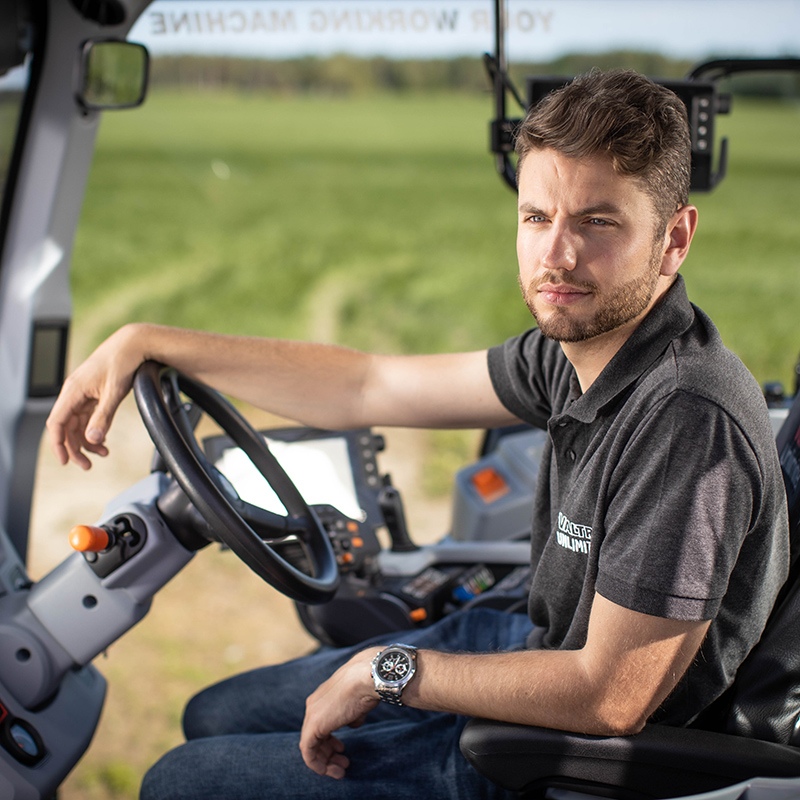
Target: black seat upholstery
{"type": "Point", "coordinates": [752, 731]}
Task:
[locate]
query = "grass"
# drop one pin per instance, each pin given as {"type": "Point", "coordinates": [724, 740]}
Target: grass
{"type": "Point", "coordinates": [378, 206]}
{"type": "Point", "coordinates": [743, 268]}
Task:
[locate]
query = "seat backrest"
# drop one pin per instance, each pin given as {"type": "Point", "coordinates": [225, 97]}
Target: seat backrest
{"type": "Point", "coordinates": [764, 701]}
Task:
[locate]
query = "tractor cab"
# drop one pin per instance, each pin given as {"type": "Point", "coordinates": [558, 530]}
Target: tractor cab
{"type": "Point", "coordinates": [311, 512]}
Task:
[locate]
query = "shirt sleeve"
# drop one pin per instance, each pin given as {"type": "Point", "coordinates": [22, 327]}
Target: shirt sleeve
{"type": "Point", "coordinates": [681, 501]}
{"type": "Point", "coordinates": [528, 374]}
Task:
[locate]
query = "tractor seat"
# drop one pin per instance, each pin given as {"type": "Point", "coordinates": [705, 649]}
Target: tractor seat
{"type": "Point", "coordinates": [752, 731]}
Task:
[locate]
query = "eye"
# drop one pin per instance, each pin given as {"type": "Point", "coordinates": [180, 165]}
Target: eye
{"type": "Point", "coordinates": [533, 218]}
{"type": "Point", "coordinates": [599, 222]}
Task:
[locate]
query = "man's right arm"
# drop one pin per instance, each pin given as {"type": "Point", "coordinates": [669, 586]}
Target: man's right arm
{"type": "Point", "coordinates": [320, 385]}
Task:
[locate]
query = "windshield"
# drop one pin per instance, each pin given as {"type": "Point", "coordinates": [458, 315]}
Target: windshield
{"type": "Point", "coordinates": [12, 92]}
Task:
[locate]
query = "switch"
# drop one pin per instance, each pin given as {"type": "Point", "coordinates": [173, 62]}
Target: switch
{"type": "Point", "coordinates": [89, 539]}
{"type": "Point", "coordinates": [490, 484]}
{"type": "Point", "coordinates": [22, 741]}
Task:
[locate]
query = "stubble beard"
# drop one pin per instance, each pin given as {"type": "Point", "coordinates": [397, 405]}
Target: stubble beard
{"type": "Point", "coordinates": [624, 304]}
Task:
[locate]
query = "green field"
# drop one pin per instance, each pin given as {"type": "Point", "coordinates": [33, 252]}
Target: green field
{"type": "Point", "coordinates": [377, 221]}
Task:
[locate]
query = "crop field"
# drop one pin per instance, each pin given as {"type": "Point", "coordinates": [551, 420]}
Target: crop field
{"type": "Point", "coordinates": [374, 221]}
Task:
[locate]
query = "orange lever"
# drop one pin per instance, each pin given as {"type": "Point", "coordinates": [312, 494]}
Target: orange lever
{"type": "Point", "coordinates": [89, 538]}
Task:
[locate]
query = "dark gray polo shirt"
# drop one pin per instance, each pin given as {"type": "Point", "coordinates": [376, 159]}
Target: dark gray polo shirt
{"type": "Point", "coordinates": [660, 489]}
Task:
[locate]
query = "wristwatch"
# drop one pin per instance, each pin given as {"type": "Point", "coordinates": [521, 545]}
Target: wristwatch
{"type": "Point", "coordinates": [392, 670]}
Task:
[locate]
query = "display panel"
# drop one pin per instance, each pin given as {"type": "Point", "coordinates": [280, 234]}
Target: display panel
{"type": "Point", "coordinates": [320, 468]}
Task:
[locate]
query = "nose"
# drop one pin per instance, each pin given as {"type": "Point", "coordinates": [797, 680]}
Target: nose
{"type": "Point", "coordinates": [559, 248]}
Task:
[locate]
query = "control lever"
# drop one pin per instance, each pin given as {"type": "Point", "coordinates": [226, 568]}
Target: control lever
{"type": "Point", "coordinates": [106, 547]}
{"type": "Point", "coordinates": [391, 505]}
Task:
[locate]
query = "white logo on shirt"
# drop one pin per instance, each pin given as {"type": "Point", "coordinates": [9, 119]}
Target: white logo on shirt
{"type": "Point", "coordinates": [572, 536]}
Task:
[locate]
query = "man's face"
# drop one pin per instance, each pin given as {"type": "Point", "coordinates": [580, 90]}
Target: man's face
{"type": "Point", "coordinates": [589, 262]}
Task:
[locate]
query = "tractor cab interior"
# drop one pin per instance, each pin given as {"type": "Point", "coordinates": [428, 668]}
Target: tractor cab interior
{"type": "Point", "coordinates": [309, 511]}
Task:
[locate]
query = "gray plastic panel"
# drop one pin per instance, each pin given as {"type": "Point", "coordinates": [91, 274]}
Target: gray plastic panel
{"type": "Point", "coordinates": [516, 459]}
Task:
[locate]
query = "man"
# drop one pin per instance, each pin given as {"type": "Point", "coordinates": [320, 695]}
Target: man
{"type": "Point", "coordinates": [659, 533]}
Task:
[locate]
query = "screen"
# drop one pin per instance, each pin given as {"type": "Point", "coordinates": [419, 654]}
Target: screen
{"type": "Point", "coordinates": [319, 468]}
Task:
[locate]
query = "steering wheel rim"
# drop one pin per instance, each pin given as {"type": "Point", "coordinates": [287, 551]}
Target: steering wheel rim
{"type": "Point", "coordinates": [156, 389]}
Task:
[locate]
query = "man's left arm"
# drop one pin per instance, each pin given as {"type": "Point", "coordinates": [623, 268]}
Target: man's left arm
{"type": "Point", "coordinates": [628, 666]}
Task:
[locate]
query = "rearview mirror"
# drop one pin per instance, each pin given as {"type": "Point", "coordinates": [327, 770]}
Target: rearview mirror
{"type": "Point", "coordinates": [113, 74]}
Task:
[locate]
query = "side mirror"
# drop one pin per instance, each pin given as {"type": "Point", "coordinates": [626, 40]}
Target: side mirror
{"type": "Point", "coordinates": [112, 74]}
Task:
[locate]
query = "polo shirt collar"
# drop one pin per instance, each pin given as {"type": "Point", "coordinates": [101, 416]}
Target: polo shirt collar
{"type": "Point", "coordinates": [667, 320]}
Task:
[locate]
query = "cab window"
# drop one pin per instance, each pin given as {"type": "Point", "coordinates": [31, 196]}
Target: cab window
{"type": "Point", "coordinates": [13, 86]}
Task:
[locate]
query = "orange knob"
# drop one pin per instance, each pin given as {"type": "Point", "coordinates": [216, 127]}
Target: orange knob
{"type": "Point", "coordinates": [89, 538]}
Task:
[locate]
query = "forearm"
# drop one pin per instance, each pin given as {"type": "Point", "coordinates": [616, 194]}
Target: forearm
{"type": "Point", "coordinates": [315, 384]}
{"type": "Point", "coordinates": [626, 669]}
{"type": "Point", "coordinates": [552, 689]}
{"type": "Point", "coordinates": [329, 386]}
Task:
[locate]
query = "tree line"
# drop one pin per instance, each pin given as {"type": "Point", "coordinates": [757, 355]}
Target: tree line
{"type": "Point", "coordinates": [345, 74]}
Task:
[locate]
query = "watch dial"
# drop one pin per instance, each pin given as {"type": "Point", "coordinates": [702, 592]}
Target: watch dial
{"type": "Point", "coordinates": [393, 666]}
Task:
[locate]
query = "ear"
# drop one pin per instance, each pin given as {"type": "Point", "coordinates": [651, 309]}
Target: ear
{"type": "Point", "coordinates": [677, 238]}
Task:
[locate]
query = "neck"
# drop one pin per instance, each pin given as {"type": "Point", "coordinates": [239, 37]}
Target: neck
{"type": "Point", "coordinates": [590, 357]}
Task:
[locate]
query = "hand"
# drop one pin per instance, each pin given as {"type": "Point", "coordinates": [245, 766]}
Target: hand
{"type": "Point", "coordinates": [344, 699]}
{"type": "Point", "coordinates": [85, 407]}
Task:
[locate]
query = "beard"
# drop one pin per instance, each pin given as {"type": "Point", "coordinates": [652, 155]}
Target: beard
{"type": "Point", "coordinates": [620, 306]}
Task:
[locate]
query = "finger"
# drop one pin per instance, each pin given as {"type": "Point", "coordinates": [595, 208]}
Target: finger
{"type": "Point", "coordinates": [100, 421]}
{"type": "Point", "coordinates": [57, 446]}
{"type": "Point", "coordinates": [65, 425]}
{"type": "Point", "coordinates": [337, 767]}
{"type": "Point", "coordinates": [322, 754]}
{"type": "Point", "coordinates": [337, 762]}
{"type": "Point", "coordinates": [76, 455]}
{"type": "Point", "coordinates": [57, 432]}
{"type": "Point", "coordinates": [74, 444]}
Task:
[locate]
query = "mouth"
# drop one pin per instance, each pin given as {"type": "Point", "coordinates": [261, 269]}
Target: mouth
{"type": "Point", "coordinates": [561, 294]}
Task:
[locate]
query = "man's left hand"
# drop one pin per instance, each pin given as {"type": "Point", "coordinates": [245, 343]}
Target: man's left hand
{"type": "Point", "coordinates": [344, 699]}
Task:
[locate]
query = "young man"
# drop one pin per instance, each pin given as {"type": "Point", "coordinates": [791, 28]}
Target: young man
{"type": "Point", "coordinates": [659, 535]}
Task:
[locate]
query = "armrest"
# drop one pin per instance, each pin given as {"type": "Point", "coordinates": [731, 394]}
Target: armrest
{"type": "Point", "coordinates": [658, 762]}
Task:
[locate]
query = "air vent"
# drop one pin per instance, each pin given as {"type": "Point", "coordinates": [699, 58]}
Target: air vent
{"type": "Point", "coordinates": [103, 12]}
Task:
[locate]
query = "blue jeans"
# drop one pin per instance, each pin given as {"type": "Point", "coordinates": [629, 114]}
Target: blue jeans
{"type": "Point", "coordinates": [243, 734]}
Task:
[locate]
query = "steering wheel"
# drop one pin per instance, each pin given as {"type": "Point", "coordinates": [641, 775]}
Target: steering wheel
{"type": "Point", "coordinates": [157, 391]}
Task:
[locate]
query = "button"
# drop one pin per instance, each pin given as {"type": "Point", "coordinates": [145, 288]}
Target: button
{"type": "Point", "coordinates": [19, 580]}
{"type": "Point", "coordinates": [490, 484]}
{"type": "Point", "coordinates": [571, 455]}
{"type": "Point", "coordinates": [21, 740]}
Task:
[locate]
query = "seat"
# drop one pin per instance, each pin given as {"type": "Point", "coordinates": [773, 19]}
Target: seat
{"type": "Point", "coordinates": [752, 731]}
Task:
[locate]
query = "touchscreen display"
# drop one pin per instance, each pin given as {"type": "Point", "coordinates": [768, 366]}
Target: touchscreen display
{"type": "Point", "coordinates": [319, 468]}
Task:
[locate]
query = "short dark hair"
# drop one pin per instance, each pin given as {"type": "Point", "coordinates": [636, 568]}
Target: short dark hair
{"type": "Point", "coordinates": [642, 126]}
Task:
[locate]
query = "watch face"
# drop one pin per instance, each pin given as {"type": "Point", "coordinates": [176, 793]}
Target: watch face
{"type": "Point", "coordinates": [393, 666]}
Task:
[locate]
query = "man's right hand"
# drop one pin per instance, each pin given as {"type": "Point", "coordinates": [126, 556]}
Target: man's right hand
{"type": "Point", "coordinates": [85, 407]}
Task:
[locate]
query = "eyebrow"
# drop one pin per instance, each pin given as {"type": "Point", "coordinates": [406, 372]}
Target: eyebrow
{"type": "Point", "coordinates": [590, 211]}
